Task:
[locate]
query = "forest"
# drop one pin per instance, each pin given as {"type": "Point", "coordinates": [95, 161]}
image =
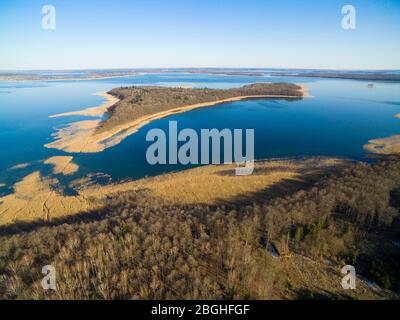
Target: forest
{"type": "Point", "coordinates": [136, 102]}
{"type": "Point", "coordinates": [139, 247]}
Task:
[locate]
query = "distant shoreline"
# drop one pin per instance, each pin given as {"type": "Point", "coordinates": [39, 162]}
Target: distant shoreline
{"type": "Point", "coordinates": [87, 75]}
{"type": "Point", "coordinates": [343, 76]}
{"type": "Point", "coordinates": [50, 79]}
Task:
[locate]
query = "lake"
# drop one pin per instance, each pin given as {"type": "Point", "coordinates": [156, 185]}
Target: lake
{"type": "Point", "coordinates": [341, 117]}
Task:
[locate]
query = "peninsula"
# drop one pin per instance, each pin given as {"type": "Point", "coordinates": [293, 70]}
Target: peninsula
{"type": "Point", "coordinates": [384, 146]}
{"type": "Point", "coordinates": [134, 107]}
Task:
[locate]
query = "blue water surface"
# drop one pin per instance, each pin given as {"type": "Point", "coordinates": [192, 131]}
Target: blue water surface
{"type": "Point", "coordinates": [340, 118]}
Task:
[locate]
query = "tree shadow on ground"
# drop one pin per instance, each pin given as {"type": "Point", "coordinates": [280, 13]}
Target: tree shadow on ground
{"type": "Point", "coordinates": [281, 189]}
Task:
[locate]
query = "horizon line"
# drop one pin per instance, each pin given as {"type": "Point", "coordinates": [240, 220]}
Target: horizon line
{"type": "Point", "coordinates": [198, 68]}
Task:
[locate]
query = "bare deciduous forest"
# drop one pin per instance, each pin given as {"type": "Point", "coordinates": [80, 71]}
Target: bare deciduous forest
{"type": "Point", "coordinates": [142, 248]}
{"type": "Point", "coordinates": [136, 102]}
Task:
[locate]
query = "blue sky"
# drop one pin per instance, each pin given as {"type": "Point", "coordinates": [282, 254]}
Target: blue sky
{"type": "Point", "coordinates": [199, 33]}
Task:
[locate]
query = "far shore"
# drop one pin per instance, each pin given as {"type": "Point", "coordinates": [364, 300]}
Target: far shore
{"type": "Point", "coordinates": [81, 136]}
{"type": "Point", "coordinates": [49, 79]}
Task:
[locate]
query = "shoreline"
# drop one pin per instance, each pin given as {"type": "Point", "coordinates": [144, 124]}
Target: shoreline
{"type": "Point", "coordinates": [16, 79]}
{"type": "Point", "coordinates": [62, 165]}
{"type": "Point", "coordinates": [306, 91]}
{"type": "Point", "coordinates": [41, 197]}
{"type": "Point", "coordinates": [384, 146]}
{"type": "Point", "coordinates": [81, 136]}
{"type": "Point", "coordinates": [98, 111]}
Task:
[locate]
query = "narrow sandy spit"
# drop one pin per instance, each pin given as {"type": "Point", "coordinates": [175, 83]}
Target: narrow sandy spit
{"type": "Point", "coordinates": [20, 166]}
{"type": "Point", "coordinates": [62, 165]}
{"type": "Point", "coordinates": [81, 136]}
{"type": "Point", "coordinates": [93, 111]}
{"type": "Point", "coordinates": [306, 91]}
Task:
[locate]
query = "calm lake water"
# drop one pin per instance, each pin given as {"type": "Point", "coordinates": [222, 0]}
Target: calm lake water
{"type": "Point", "coordinates": [338, 121]}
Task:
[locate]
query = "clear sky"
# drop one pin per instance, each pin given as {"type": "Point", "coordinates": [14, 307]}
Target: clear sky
{"type": "Point", "coordinates": [199, 33]}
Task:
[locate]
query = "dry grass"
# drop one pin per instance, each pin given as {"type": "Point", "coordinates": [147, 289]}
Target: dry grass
{"type": "Point", "coordinates": [315, 279]}
{"type": "Point", "coordinates": [38, 197]}
{"type": "Point", "coordinates": [62, 165]}
{"type": "Point", "coordinates": [387, 146]}
{"type": "Point", "coordinates": [213, 184]}
{"type": "Point", "coordinates": [136, 247]}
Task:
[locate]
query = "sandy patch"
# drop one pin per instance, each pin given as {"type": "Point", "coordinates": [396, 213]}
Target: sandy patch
{"type": "Point", "coordinates": [40, 198]}
{"type": "Point", "coordinates": [81, 136]}
{"type": "Point", "coordinates": [183, 87]}
{"type": "Point", "coordinates": [63, 165]}
{"type": "Point", "coordinates": [20, 166]}
{"type": "Point", "coordinates": [215, 183]}
{"type": "Point", "coordinates": [76, 137]}
{"type": "Point", "coordinates": [390, 145]}
{"type": "Point", "coordinates": [387, 146]}
{"type": "Point", "coordinates": [37, 197]}
{"type": "Point", "coordinates": [93, 111]}
{"type": "Point", "coordinates": [306, 91]}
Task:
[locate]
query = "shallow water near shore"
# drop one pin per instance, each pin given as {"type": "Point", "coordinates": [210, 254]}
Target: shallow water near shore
{"type": "Point", "coordinates": [338, 121]}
